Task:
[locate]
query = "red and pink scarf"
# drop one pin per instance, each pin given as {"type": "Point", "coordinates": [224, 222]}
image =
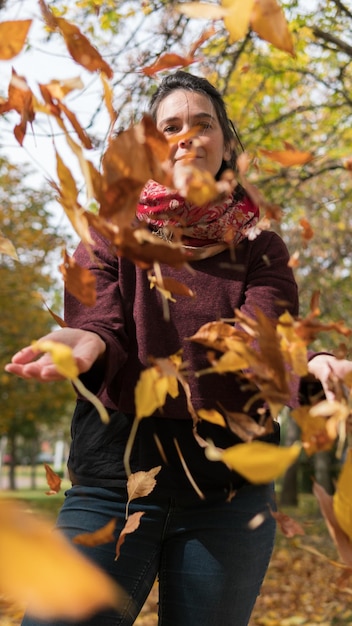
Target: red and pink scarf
{"type": "Point", "coordinates": [227, 221]}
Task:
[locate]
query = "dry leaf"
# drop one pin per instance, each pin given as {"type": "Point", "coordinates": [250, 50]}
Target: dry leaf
{"type": "Point", "coordinates": [339, 537]}
{"type": "Point", "coordinates": [268, 21]}
{"type": "Point", "coordinates": [202, 10]}
{"type": "Point", "coordinates": [13, 36]}
{"type": "Point", "coordinates": [131, 525]}
{"type": "Point", "coordinates": [289, 527]}
{"type": "Point", "coordinates": [287, 158]}
{"type": "Point", "coordinates": [44, 571]}
{"type": "Point", "coordinates": [237, 19]}
{"type": "Point", "coordinates": [259, 462]}
{"type": "Point", "coordinates": [53, 480]}
{"type": "Point", "coordinates": [7, 247]}
{"type": "Point", "coordinates": [79, 281]}
{"type": "Point", "coordinates": [106, 534]}
{"type": "Point", "coordinates": [141, 484]}
{"type": "Point", "coordinates": [342, 499]}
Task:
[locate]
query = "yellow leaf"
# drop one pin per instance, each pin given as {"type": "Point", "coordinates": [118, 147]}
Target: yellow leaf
{"type": "Point", "coordinates": [342, 499]}
{"type": "Point", "coordinates": [232, 361]}
{"type": "Point", "coordinates": [151, 391]}
{"type": "Point", "coordinates": [203, 10]}
{"type": "Point", "coordinates": [212, 416]}
{"type": "Point", "coordinates": [99, 536]}
{"type": "Point", "coordinates": [260, 462]}
{"type": "Point", "coordinates": [237, 21]}
{"type": "Point", "coordinates": [61, 355]}
{"type": "Point", "coordinates": [268, 21]}
{"type": "Point", "coordinates": [7, 247]}
{"type": "Point", "coordinates": [43, 570]}
{"type": "Point", "coordinates": [12, 37]}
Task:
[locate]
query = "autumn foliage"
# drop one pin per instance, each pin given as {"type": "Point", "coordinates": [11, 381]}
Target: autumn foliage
{"type": "Point", "coordinates": [264, 355]}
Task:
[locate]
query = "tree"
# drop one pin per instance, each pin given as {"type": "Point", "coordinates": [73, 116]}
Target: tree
{"type": "Point", "coordinates": [25, 282]}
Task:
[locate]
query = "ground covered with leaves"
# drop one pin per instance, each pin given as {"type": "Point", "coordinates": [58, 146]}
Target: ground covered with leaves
{"type": "Point", "coordinates": [301, 586]}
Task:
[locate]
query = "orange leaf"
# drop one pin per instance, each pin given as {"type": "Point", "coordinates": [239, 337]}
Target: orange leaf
{"type": "Point", "coordinates": [13, 35]}
{"type": "Point", "coordinates": [53, 480]}
{"type": "Point", "coordinates": [98, 537]}
{"type": "Point", "coordinates": [167, 61]}
{"type": "Point", "coordinates": [288, 526]}
{"type": "Point", "coordinates": [43, 570]}
{"type": "Point", "coordinates": [202, 10]}
{"type": "Point", "coordinates": [131, 525]}
{"type": "Point", "coordinates": [81, 49]}
{"type": "Point", "coordinates": [308, 232]}
{"type": "Point", "coordinates": [287, 158]}
{"type": "Point", "coordinates": [268, 21]}
{"type": "Point", "coordinates": [79, 281]}
{"type": "Point", "coordinates": [20, 99]}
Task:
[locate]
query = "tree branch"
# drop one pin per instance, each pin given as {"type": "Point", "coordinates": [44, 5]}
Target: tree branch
{"type": "Point", "coordinates": [342, 45]}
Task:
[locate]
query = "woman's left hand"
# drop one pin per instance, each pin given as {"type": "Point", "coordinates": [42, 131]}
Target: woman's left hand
{"type": "Point", "coordinates": [326, 367]}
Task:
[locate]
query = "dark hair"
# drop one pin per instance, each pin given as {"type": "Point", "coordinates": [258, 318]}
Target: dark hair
{"type": "Point", "coordinates": [189, 82]}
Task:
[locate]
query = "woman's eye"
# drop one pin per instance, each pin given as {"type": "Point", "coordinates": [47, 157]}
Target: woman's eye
{"type": "Point", "coordinates": [170, 129]}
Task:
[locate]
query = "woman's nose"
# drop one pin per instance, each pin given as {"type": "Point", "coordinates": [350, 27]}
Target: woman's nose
{"type": "Point", "coordinates": [185, 143]}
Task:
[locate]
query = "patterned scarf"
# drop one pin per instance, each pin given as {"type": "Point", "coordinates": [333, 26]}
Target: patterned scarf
{"type": "Point", "coordinates": [227, 221]}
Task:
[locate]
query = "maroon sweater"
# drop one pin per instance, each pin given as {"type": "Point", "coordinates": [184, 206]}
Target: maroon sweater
{"type": "Point", "coordinates": [129, 317]}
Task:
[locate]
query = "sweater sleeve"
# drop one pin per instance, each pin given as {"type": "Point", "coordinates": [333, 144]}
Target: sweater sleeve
{"type": "Point", "coordinates": [106, 317]}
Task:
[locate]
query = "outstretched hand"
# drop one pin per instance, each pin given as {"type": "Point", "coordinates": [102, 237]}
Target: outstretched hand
{"type": "Point", "coordinates": [86, 347]}
{"type": "Point", "coordinates": [326, 367]}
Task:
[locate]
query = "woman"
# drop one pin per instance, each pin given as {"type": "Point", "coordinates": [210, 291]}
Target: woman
{"type": "Point", "coordinates": [209, 563]}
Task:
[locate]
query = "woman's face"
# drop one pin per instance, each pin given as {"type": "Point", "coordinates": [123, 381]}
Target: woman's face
{"type": "Point", "coordinates": [183, 110]}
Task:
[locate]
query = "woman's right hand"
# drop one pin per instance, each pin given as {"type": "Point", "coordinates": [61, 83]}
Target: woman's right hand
{"type": "Point", "coordinates": [87, 347]}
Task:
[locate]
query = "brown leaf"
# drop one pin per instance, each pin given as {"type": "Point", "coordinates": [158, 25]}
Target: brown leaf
{"type": "Point", "coordinates": [141, 484]}
{"type": "Point", "coordinates": [268, 21]}
{"type": "Point", "coordinates": [287, 525]}
{"type": "Point", "coordinates": [131, 525]}
{"type": "Point", "coordinates": [13, 35]}
{"type": "Point", "coordinates": [308, 232]}
{"type": "Point", "coordinates": [172, 285]}
{"type": "Point", "coordinates": [106, 534]}
{"type": "Point", "coordinates": [79, 281]}
{"type": "Point", "coordinates": [53, 480]}
{"type": "Point", "coordinates": [167, 61]}
{"type": "Point", "coordinates": [20, 99]}
{"type": "Point", "coordinates": [245, 427]}
{"type": "Point", "coordinates": [81, 49]}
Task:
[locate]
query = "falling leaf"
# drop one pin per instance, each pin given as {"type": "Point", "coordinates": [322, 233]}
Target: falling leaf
{"type": "Point", "coordinates": [58, 89]}
{"type": "Point", "coordinates": [289, 527]}
{"type": "Point", "coordinates": [187, 471]}
{"type": "Point", "coordinates": [141, 484]}
{"type": "Point", "coordinates": [7, 247]}
{"type": "Point", "coordinates": [131, 525]}
{"type": "Point", "coordinates": [53, 480]}
{"type": "Point", "coordinates": [259, 462]}
{"type": "Point", "coordinates": [20, 99]}
{"type": "Point", "coordinates": [79, 281]}
{"type": "Point", "coordinates": [172, 285]}
{"type": "Point", "coordinates": [203, 10]}
{"type": "Point", "coordinates": [43, 570]}
{"type": "Point", "coordinates": [342, 499]}
{"type": "Point", "coordinates": [269, 22]}
{"type": "Point", "coordinates": [167, 61]}
{"type": "Point", "coordinates": [151, 391]}
{"type": "Point", "coordinates": [246, 427]}
{"type": "Point", "coordinates": [212, 416]}
{"type": "Point", "coordinates": [13, 35]}
{"type": "Point", "coordinates": [237, 19]}
{"type": "Point", "coordinates": [338, 535]}
{"type": "Point", "coordinates": [308, 232]}
{"type": "Point", "coordinates": [106, 534]}
{"type": "Point", "coordinates": [287, 158]}
{"type": "Point", "coordinates": [81, 49]}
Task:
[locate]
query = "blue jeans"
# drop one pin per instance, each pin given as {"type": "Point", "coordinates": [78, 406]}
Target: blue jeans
{"type": "Point", "coordinates": [210, 563]}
